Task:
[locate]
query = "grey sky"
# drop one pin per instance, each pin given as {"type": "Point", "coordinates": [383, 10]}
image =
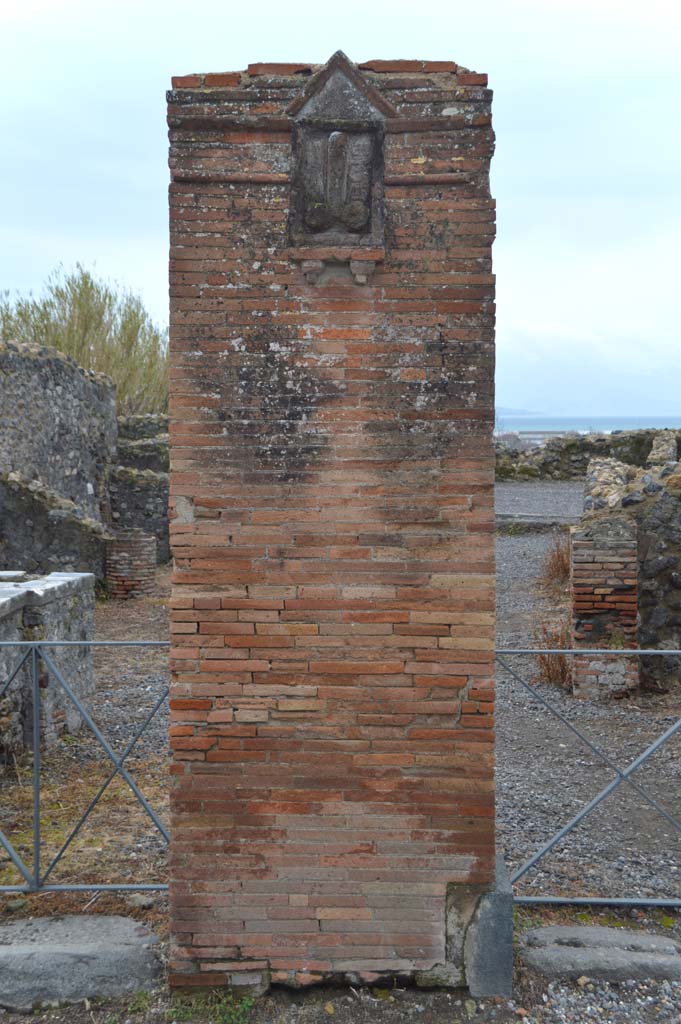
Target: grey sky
{"type": "Point", "coordinates": [587, 173]}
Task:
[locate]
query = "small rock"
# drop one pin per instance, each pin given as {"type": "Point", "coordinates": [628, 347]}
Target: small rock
{"type": "Point", "coordinates": [15, 905]}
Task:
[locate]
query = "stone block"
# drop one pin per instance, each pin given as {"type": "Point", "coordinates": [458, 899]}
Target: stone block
{"type": "Point", "coordinates": [52, 960]}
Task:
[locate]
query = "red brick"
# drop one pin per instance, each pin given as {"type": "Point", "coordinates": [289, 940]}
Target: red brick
{"type": "Point", "coordinates": [278, 69]}
{"type": "Point", "coordinates": [333, 770]}
{"type": "Point", "coordinates": [222, 81]}
{"type": "Point", "coordinates": [471, 78]}
{"type": "Point", "coordinates": [409, 66]}
{"type": "Point", "coordinates": [187, 81]}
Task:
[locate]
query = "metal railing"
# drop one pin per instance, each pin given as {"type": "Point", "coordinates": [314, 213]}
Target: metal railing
{"type": "Point", "coordinates": [36, 654]}
{"type": "Point", "coordinates": [622, 775]}
{"type": "Point", "coordinates": [33, 655]}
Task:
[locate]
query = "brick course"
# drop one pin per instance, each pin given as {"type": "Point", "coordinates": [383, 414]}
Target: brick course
{"type": "Point", "coordinates": [604, 588]}
{"type": "Point", "coordinates": [332, 529]}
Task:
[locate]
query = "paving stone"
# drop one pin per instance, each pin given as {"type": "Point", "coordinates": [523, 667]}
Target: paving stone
{"type": "Point", "coordinates": [47, 960]}
{"type": "Point", "coordinates": [607, 954]}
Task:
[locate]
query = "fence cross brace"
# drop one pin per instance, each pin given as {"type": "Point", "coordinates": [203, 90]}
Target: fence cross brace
{"type": "Point", "coordinates": [622, 775]}
{"type": "Point", "coordinates": [34, 653]}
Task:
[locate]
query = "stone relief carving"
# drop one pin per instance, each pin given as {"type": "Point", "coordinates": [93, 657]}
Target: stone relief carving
{"type": "Point", "coordinates": [337, 178]}
{"type": "Point", "coordinates": [336, 181]}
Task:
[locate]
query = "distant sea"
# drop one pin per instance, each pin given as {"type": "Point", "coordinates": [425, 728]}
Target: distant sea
{"type": "Point", "coordinates": [509, 424]}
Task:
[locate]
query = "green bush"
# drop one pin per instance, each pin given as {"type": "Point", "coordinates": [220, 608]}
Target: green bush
{"type": "Point", "coordinates": [103, 328]}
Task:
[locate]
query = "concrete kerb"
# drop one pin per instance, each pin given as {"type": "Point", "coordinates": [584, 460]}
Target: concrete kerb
{"type": "Point", "coordinates": [47, 961]}
{"type": "Point", "coordinates": [606, 954]}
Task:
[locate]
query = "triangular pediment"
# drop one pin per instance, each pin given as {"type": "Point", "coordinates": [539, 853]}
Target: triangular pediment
{"type": "Point", "coordinates": [340, 92]}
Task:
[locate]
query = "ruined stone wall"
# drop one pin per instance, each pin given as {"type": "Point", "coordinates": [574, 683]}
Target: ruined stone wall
{"type": "Point", "coordinates": [58, 424]}
{"type": "Point", "coordinates": [139, 500]}
{"type": "Point", "coordinates": [58, 606]}
{"type": "Point", "coordinates": [42, 533]}
{"type": "Point", "coordinates": [651, 498]}
{"type": "Point", "coordinates": [65, 486]}
{"type": "Point", "coordinates": [332, 493]}
{"type": "Point", "coordinates": [138, 485]}
{"type": "Point", "coordinates": [12, 702]}
{"type": "Point", "coordinates": [568, 457]}
{"type": "Point", "coordinates": [146, 426]}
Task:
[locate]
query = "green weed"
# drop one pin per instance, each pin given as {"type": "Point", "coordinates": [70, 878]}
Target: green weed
{"type": "Point", "coordinates": [219, 1006]}
{"type": "Point", "coordinates": [140, 1003]}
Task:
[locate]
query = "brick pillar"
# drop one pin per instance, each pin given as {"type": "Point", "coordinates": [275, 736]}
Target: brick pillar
{"type": "Point", "coordinates": [604, 604]}
{"type": "Point", "coordinates": [130, 564]}
{"type": "Point", "coordinates": [332, 333]}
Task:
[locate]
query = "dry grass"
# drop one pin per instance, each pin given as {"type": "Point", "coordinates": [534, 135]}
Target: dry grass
{"type": "Point", "coordinates": [118, 843]}
{"type": "Point", "coordinates": [556, 568]}
{"type": "Point", "coordinates": [553, 668]}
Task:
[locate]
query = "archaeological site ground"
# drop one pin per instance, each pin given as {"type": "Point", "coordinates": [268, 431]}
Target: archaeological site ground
{"type": "Point", "coordinates": [317, 699]}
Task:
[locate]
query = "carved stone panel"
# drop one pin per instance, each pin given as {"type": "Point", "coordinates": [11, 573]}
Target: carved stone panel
{"type": "Point", "coordinates": [337, 180]}
{"type": "Point", "coordinates": [334, 182]}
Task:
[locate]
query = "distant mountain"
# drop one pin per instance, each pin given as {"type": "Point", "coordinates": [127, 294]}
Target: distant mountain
{"type": "Point", "coordinates": [503, 410]}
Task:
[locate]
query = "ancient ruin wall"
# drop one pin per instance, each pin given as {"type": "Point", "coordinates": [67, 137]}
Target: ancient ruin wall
{"type": "Point", "coordinates": [567, 457]}
{"type": "Point", "coordinates": [139, 501]}
{"type": "Point", "coordinates": [651, 499]}
{"type": "Point", "coordinates": [332, 486]}
{"type": "Point", "coordinates": [58, 606]}
{"type": "Point", "coordinates": [42, 533]}
{"type": "Point", "coordinates": [58, 424]}
{"type": "Point", "coordinates": [604, 587]}
{"type": "Point", "coordinates": [138, 485]}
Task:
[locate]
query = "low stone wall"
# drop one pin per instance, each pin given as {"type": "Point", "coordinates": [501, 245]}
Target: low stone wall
{"type": "Point", "coordinates": [613, 484]}
{"type": "Point", "coordinates": [64, 486]}
{"type": "Point", "coordinates": [136, 428]}
{"type": "Point", "coordinates": [567, 457]}
{"type": "Point", "coordinates": [659, 569]}
{"type": "Point", "coordinates": [58, 424]}
{"type": "Point", "coordinates": [604, 587]}
{"type": "Point", "coordinates": [40, 532]}
{"type": "Point", "coordinates": [650, 498]}
{"type": "Point", "coordinates": [59, 606]}
{"type": "Point", "coordinates": [139, 500]}
{"type": "Point", "coordinates": [146, 453]}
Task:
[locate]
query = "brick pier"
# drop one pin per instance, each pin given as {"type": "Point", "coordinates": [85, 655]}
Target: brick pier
{"type": "Point", "coordinates": [604, 587]}
{"type": "Point", "coordinates": [332, 340]}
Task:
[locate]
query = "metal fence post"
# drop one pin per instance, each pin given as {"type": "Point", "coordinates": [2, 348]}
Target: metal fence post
{"type": "Point", "coordinates": [35, 690]}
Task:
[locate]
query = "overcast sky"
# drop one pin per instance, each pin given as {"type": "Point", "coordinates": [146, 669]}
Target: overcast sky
{"type": "Point", "coordinates": [587, 172]}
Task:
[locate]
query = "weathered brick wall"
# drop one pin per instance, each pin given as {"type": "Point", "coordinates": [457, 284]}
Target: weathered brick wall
{"type": "Point", "coordinates": [332, 502]}
{"type": "Point", "coordinates": [604, 580]}
{"type": "Point", "coordinates": [130, 564]}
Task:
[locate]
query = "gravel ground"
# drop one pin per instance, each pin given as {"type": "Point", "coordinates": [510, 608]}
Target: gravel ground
{"type": "Point", "coordinates": [545, 498]}
{"type": "Point", "coordinates": [545, 774]}
{"type": "Point", "coordinates": [626, 1003]}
